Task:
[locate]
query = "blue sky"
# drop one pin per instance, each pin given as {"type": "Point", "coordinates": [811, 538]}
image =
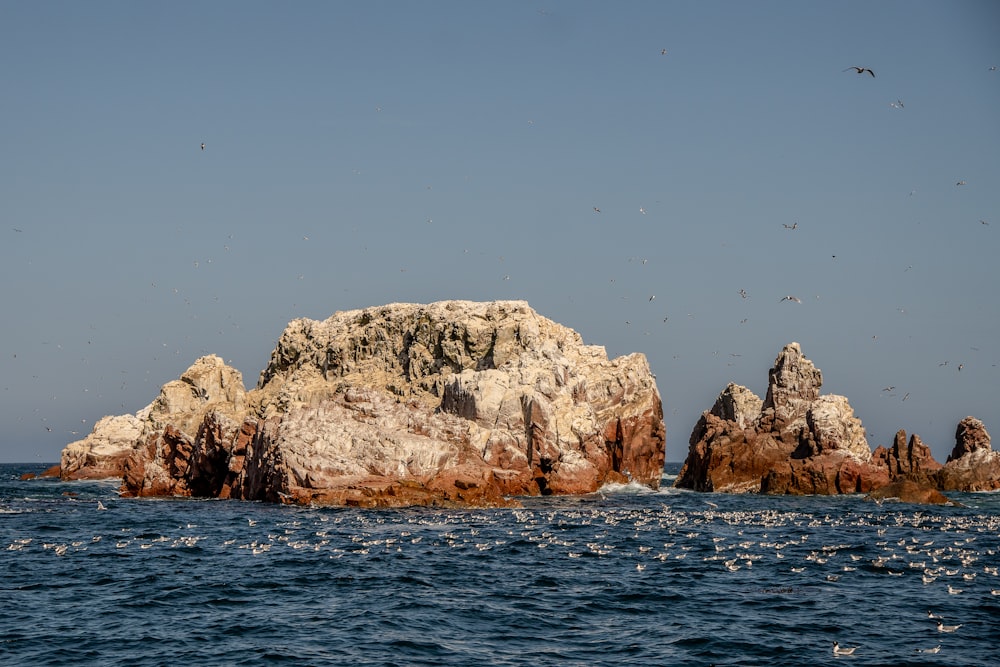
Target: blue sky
{"type": "Point", "coordinates": [363, 153]}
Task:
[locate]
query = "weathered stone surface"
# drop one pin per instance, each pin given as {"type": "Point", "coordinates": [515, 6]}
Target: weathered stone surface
{"type": "Point", "coordinates": [103, 452]}
{"type": "Point", "coordinates": [451, 402]}
{"type": "Point", "coordinates": [909, 491]}
{"type": "Point", "coordinates": [798, 442]}
{"type": "Point", "coordinates": [972, 465]}
{"type": "Point", "coordinates": [908, 460]}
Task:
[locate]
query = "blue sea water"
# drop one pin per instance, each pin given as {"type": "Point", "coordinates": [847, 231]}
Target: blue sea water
{"type": "Point", "coordinates": [623, 577]}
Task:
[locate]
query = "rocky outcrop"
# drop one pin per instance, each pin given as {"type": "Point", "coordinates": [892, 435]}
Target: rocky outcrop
{"type": "Point", "coordinates": [908, 460]}
{"type": "Point", "coordinates": [451, 402]}
{"type": "Point", "coordinates": [103, 452]}
{"type": "Point", "coordinates": [909, 491]}
{"type": "Point", "coordinates": [972, 464]}
{"type": "Point", "coordinates": [797, 441]}
{"type": "Point", "coordinates": [794, 441]}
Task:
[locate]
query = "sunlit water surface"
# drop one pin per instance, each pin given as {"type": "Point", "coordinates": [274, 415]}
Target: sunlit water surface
{"type": "Point", "coordinates": [623, 577]}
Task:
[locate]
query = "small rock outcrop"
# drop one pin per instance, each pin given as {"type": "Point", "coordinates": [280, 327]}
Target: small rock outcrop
{"type": "Point", "coordinates": [794, 441]}
{"type": "Point", "coordinates": [908, 460]}
{"type": "Point", "coordinates": [972, 464]}
{"type": "Point", "coordinates": [103, 452]}
{"type": "Point", "coordinates": [908, 491]}
{"type": "Point", "coordinates": [451, 402]}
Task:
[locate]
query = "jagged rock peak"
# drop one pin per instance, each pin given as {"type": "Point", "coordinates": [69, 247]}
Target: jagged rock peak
{"type": "Point", "coordinates": [793, 381]}
{"type": "Point", "coordinates": [970, 436]}
{"type": "Point", "coordinates": [795, 441]}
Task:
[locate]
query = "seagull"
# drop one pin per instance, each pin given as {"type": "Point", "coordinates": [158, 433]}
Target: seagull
{"type": "Point", "coordinates": [860, 70]}
{"type": "Point", "coordinates": [890, 387]}
{"type": "Point", "coordinates": [203, 145]}
{"type": "Point", "coordinates": [652, 297]}
{"type": "Point", "coordinates": [743, 293]}
{"type": "Point", "coordinates": [947, 628]}
{"type": "Point", "coordinates": [794, 225]}
{"type": "Point", "coordinates": [597, 210]}
{"type": "Point", "coordinates": [837, 650]}
{"type": "Point", "coordinates": [790, 298]}
{"type": "Point", "coordinates": [983, 222]}
{"type": "Point", "coordinates": [663, 52]}
{"type": "Point", "coordinates": [100, 505]}
{"type": "Point", "coordinates": [929, 650]}
{"type": "Point", "coordinates": [960, 183]}
{"type": "Point", "coordinates": [931, 615]}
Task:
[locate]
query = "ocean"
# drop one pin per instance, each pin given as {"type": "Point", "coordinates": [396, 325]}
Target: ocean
{"type": "Point", "coordinates": [626, 576]}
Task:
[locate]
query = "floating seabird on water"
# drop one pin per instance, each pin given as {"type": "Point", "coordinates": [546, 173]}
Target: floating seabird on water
{"type": "Point", "coordinates": [860, 70]}
{"type": "Point", "coordinates": [843, 650]}
{"type": "Point", "coordinates": [947, 628]}
{"type": "Point", "coordinates": [929, 650]}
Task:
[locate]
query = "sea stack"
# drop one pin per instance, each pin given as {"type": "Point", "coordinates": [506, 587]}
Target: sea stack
{"type": "Point", "coordinates": [794, 441]}
{"type": "Point", "coordinates": [454, 402]}
{"type": "Point", "coordinates": [799, 441]}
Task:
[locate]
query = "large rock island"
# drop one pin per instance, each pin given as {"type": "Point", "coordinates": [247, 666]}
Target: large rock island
{"type": "Point", "coordinates": [797, 441]}
{"type": "Point", "coordinates": [453, 402]}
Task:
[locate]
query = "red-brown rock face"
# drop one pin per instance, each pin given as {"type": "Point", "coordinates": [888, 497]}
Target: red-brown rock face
{"type": "Point", "coordinates": [908, 460]}
{"type": "Point", "coordinates": [794, 441]}
{"type": "Point", "coordinates": [454, 402]}
{"type": "Point", "coordinates": [973, 465]}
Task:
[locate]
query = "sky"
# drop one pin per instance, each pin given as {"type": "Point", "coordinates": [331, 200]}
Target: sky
{"type": "Point", "coordinates": [583, 156]}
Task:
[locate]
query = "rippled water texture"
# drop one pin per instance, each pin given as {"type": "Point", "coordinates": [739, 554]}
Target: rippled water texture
{"type": "Point", "coordinates": [625, 577]}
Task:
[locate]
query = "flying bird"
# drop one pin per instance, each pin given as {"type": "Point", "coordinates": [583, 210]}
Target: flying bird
{"type": "Point", "coordinates": [860, 70]}
{"type": "Point", "coordinates": [960, 183]}
{"type": "Point", "coordinates": [203, 145]}
{"type": "Point", "coordinates": [794, 225]}
{"type": "Point", "coordinates": [597, 210]}
{"type": "Point", "coordinates": [790, 298]}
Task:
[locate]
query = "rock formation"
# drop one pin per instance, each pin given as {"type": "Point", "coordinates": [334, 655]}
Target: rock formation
{"type": "Point", "coordinates": [451, 402]}
{"type": "Point", "coordinates": [908, 491]}
{"type": "Point", "coordinates": [908, 460]}
{"type": "Point", "coordinates": [103, 452]}
{"type": "Point", "coordinates": [794, 441]}
{"type": "Point", "coordinates": [798, 441]}
{"type": "Point", "coordinates": [972, 464]}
